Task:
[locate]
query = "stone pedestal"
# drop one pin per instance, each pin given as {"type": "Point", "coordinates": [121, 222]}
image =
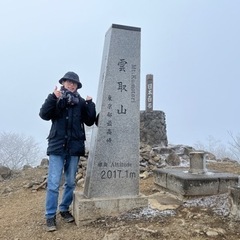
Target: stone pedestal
{"type": "Point", "coordinates": [86, 210]}
{"type": "Point", "coordinates": [197, 163]}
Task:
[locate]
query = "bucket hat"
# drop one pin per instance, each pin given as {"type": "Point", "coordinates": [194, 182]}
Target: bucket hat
{"type": "Point", "coordinates": [72, 76]}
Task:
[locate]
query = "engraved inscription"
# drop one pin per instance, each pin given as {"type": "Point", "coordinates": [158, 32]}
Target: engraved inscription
{"type": "Point", "coordinates": [118, 173]}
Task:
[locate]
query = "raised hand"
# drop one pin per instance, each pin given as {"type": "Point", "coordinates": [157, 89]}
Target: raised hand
{"type": "Point", "coordinates": [88, 98]}
{"type": "Point", "coordinates": [57, 92]}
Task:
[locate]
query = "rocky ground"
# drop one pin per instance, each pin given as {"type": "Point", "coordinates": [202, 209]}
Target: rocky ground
{"type": "Point", "coordinates": [22, 213]}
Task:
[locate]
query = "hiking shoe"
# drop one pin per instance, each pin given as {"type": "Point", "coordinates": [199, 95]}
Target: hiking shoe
{"type": "Point", "coordinates": [51, 224]}
{"type": "Point", "coordinates": [67, 216]}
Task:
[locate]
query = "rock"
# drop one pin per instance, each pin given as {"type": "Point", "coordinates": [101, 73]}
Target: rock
{"type": "Point", "coordinates": [211, 233]}
{"type": "Point", "coordinates": [5, 172]}
{"type": "Point", "coordinates": [7, 190]}
{"type": "Point", "coordinates": [220, 230]}
{"type": "Point", "coordinates": [79, 176]}
{"type": "Point", "coordinates": [210, 156]}
{"type": "Point", "coordinates": [162, 150]}
{"type": "Point", "coordinates": [1, 178]}
{"type": "Point", "coordinates": [25, 167]}
{"type": "Point", "coordinates": [146, 229]}
{"type": "Point", "coordinates": [173, 159]}
{"type": "Point", "coordinates": [28, 185]}
{"type": "Point", "coordinates": [84, 164]}
{"type": "Point", "coordinates": [80, 182]}
{"type": "Point", "coordinates": [144, 175]}
{"type": "Point", "coordinates": [44, 162]}
{"type": "Point", "coordinates": [111, 236]}
{"type": "Point", "coordinates": [156, 158]}
{"type": "Point", "coordinates": [83, 159]}
{"type": "Point", "coordinates": [161, 165]}
{"type": "Point", "coordinates": [143, 163]}
{"type": "Point", "coordinates": [142, 169]}
{"type": "Point", "coordinates": [183, 150]}
{"type": "Point", "coordinates": [152, 162]}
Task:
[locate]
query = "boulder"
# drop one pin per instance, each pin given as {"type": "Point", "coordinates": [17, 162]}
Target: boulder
{"type": "Point", "coordinates": [5, 172]}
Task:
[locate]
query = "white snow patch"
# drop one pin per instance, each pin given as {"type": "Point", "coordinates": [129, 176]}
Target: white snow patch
{"type": "Point", "coordinates": [219, 203]}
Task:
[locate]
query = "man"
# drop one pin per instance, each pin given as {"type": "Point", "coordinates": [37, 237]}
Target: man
{"type": "Point", "coordinates": [68, 112]}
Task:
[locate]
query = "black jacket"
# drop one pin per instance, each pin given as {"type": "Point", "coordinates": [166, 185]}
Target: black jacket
{"type": "Point", "coordinates": [67, 134]}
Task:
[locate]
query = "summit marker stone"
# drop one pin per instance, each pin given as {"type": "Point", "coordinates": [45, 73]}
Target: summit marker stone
{"type": "Point", "coordinates": [113, 167]}
{"type": "Point", "coordinates": [112, 178]}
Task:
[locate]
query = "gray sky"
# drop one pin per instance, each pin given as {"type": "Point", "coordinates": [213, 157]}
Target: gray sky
{"type": "Point", "coordinates": [192, 47]}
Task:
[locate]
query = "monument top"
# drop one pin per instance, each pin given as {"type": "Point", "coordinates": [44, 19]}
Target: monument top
{"type": "Point", "coordinates": [126, 27]}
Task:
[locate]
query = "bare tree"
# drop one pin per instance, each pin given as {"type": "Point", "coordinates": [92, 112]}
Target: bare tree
{"type": "Point", "coordinates": [17, 150]}
{"type": "Point", "coordinates": [235, 145]}
{"type": "Point", "coordinates": [216, 147]}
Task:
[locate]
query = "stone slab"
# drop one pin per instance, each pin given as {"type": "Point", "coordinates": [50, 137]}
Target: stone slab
{"type": "Point", "coordinates": [186, 184]}
{"type": "Point", "coordinates": [87, 210]}
{"type": "Point", "coordinates": [164, 201]}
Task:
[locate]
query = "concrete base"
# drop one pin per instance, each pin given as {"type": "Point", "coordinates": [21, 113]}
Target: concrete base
{"type": "Point", "coordinates": [234, 197]}
{"type": "Point", "coordinates": [87, 210]}
{"type": "Point", "coordinates": [185, 184]}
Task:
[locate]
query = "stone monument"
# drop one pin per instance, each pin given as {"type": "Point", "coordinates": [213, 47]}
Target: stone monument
{"type": "Point", "coordinates": [149, 93]}
{"type": "Point", "coordinates": [112, 178]}
{"type": "Point", "coordinates": [152, 122]}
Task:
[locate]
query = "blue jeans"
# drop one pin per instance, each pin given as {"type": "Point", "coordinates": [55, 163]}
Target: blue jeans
{"type": "Point", "coordinates": [58, 164]}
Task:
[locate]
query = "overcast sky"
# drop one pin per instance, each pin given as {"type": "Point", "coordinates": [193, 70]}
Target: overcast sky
{"type": "Point", "coordinates": [192, 48]}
